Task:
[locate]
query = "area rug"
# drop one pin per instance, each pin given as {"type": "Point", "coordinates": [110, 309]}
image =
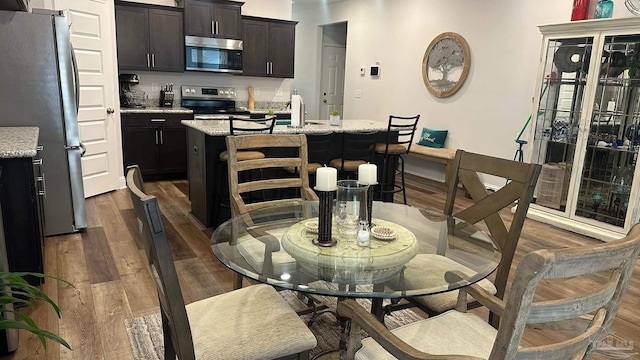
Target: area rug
{"type": "Point", "coordinates": [145, 332]}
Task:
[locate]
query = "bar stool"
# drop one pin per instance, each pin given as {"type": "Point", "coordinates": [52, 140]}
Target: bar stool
{"type": "Point", "coordinates": [357, 149]}
{"type": "Point", "coordinates": [239, 126]}
{"type": "Point", "coordinates": [318, 153]}
{"type": "Point", "coordinates": [400, 133]}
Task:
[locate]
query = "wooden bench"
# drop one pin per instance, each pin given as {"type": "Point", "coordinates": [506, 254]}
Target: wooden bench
{"type": "Point", "coordinates": [439, 155]}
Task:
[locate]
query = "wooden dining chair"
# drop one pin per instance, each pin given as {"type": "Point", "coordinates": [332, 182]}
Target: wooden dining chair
{"type": "Point", "coordinates": [280, 151]}
{"type": "Point", "coordinates": [468, 169]}
{"type": "Point", "coordinates": [583, 318]}
{"type": "Point", "coordinates": [250, 323]}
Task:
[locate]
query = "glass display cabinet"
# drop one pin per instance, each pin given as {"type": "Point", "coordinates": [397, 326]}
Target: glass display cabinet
{"type": "Point", "coordinates": [587, 127]}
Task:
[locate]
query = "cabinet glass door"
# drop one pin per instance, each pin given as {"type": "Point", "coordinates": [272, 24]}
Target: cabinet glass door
{"type": "Point", "coordinates": [613, 134]}
{"type": "Point", "coordinates": [561, 99]}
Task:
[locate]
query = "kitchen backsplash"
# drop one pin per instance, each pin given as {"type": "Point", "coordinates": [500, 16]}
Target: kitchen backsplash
{"type": "Point", "coordinates": [269, 90]}
{"type": "Point", "coordinates": [266, 105]}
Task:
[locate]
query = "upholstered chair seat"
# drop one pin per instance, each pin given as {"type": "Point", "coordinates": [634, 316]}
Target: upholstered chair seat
{"type": "Point", "coordinates": [251, 323]}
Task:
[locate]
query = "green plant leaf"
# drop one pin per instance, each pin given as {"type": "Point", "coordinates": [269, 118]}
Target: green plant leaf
{"type": "Point", "coordinates": [15, 289]}
{"type": "Point", "coordinates": [41, 334]}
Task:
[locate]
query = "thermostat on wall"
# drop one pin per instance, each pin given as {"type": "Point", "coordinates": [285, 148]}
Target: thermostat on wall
{"type": "Point", "coordinates": [375, 70]}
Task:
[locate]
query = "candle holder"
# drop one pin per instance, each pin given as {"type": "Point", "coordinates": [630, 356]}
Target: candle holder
{"type": "Point", "coordinates": [324, 219]}
{"type": "Point", "coordinates": [370, 203]}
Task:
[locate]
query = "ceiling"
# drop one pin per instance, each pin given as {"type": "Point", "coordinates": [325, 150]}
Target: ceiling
{"type": "Point", "coordinates": [301, 5]}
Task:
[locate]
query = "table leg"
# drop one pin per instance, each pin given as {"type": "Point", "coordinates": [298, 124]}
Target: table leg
{"type": "Point", "coordinates": [376, 304]}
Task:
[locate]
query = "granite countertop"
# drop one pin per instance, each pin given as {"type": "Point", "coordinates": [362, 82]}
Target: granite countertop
{"type": "Point", "coordinates": [157, 109]}
{"type": "Point", "coordinates": [18, 142]}
{"type": "Point", "coordinates": [221, 127]}
{"type": "Point", "coordinates": [266, 111]}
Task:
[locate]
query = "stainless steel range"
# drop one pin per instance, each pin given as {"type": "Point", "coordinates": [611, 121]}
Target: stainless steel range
{"type": "Point", "coordinates": [210, 103]}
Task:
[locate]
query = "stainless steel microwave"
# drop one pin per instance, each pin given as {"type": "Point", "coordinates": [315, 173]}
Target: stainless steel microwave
{"type": "Point", "coordinates": [210, 54]}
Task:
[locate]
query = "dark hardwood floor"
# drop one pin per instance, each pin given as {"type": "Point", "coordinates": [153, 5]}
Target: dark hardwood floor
{"type": "Point", "coordinates": [107, 266]}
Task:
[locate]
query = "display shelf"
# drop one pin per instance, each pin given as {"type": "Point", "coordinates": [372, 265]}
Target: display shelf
{"type": "Point", "coordinates": [588, 116]}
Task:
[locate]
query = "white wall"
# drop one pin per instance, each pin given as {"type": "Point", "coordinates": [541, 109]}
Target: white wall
{"type": "Point", "coordinates": [489, 110]}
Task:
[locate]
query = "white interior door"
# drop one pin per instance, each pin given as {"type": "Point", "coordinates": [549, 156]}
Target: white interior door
{"type": "Point", "coordinates": [332, 80]}
{"type": "Point", "coordinates": [92, 27]}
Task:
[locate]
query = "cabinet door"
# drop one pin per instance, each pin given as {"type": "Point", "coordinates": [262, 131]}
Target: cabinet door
{"type": "Point", "coordinates": [228, 20]}
{"type": "Point", "coordinates": [173, 143]}
{"type": "Point", "coordinates": [255, 52]}
{"type": "Point", "coordinates": [611, 150]}
{"type": "Point", "coordinates": [560, 117]}
{"type": "Point", "coordinates": [132, 37]}
{"type": "Point", "coordinates": [282, 38]}
{"type": "Point", "coordinates": [198, 18]}
{"type": "Point", "coordinates": [21, 217]}
{"type": "Point", "coordinates": [166, 40]}
{"type": "Point", "coordinates": [140, 146]}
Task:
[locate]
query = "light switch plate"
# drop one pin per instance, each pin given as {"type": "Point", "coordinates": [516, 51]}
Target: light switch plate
{"type": "Point", "coordinates": [358, 93]}
{"type": "Point", "coordinates": [363, 71]}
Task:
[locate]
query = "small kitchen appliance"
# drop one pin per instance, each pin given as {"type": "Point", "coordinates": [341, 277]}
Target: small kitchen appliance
{"type": "Point", "coordinates": [213, 54]}
{"type": "Point", "coordinates": [130, 98]}
{"type": "Point", "coordinates": [210, 103]}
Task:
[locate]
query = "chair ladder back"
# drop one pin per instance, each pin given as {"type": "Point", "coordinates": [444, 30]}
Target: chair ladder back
{"type": "Point", "coordinates": [238, 126]}
{"type": "Point", "coordinates": [486, 206]}
{"type": "Point", "coordinates": [318, 148]}
{"type": "Point", "coordinates": [601, 302]}
{"type": "Point", "coordinates": [358, 146]}
{"type": "Point", "coordinates": [177, 332]}
{"type": "Point", "coordinates": [273, 160]}
{"type": "Point", "coordinates": [401, 130]}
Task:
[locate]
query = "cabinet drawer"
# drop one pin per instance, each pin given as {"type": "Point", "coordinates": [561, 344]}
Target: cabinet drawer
{"type": "Point", "coordinates": [156, 120]}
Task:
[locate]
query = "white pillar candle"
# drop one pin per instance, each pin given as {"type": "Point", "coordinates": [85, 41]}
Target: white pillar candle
{"type": "Point", "coordinates": [326, 179]}
{"type": "Point", "coordinates": [367, 174]}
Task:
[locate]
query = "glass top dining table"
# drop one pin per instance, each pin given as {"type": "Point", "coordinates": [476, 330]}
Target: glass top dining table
{"type": "Point", "coordinates": [421, 252]}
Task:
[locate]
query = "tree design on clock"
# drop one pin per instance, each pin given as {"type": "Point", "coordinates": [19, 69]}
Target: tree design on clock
{"type": "Point", "coordinates": [445, 64]}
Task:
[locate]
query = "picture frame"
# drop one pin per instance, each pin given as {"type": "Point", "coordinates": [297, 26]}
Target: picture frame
{"type": "Point", "coordinates": [445, 64]}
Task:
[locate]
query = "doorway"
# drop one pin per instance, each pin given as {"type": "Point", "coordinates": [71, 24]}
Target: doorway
{"type": "Point", "coordinates": [334, 49]}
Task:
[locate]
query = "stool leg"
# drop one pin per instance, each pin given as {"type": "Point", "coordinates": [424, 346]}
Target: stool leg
{"type": "Point", "coordinates": [383, 182]}
{"type": "Point", "coordinates": [404, 192]}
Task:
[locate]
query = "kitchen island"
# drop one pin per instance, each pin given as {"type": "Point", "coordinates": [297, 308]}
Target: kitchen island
{"type": "Point", "coordinates": [206, 140]}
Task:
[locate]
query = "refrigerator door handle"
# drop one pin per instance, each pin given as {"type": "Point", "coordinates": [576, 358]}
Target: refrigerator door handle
{"type": "Point", "coordinates": [77, 147]}
{"type": "Point", "coordinates": [76, 77]}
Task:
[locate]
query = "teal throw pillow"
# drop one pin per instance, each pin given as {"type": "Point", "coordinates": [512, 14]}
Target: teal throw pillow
{"type": "Point", "coordinates": [433, 138]}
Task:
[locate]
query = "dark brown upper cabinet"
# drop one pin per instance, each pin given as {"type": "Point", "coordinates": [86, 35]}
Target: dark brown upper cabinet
{"type": "Point", "coordinates": [213, 18]}
{"type": "Point", "coordinates": [269, 47]}
{"type": "Point", "coordinates": [149, 37]}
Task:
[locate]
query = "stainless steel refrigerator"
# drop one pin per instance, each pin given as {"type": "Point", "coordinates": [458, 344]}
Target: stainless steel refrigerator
{"type": "Point", "coordinates": [39, 87]}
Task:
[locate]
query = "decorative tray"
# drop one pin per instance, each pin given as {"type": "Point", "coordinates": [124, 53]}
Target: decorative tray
{"type": "Point", "coordinates": [383, 233]}
{"type": "Point", "coordinates": [311, 226]}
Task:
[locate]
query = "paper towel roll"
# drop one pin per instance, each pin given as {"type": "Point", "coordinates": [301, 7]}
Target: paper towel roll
{"type": "Point", "coordinates": [296, 110]}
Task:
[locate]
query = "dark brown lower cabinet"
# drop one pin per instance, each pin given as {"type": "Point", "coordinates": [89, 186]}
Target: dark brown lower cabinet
{"type": "Point", "coordinates": [157, 143]}
{"type": "Point", "coordinates": [21, 200]}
